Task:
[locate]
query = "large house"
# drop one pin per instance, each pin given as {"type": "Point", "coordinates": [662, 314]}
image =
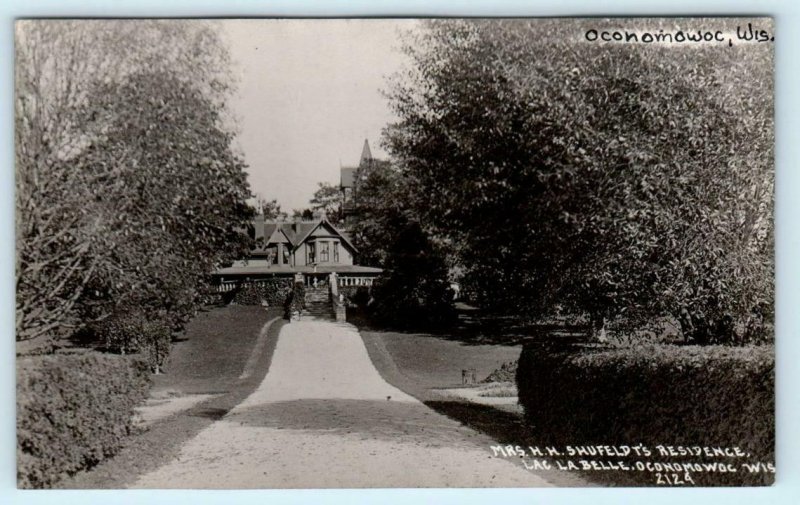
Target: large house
{"type": "Point", "coordinates": [310, 250]}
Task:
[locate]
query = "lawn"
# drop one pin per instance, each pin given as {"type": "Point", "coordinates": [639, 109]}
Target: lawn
{"type": "Point", "coordinates": [423, 364]}
{"type": "Point", "coordinates": [211, 358]}
{"type": "Point", "coordinates": [435, 361]}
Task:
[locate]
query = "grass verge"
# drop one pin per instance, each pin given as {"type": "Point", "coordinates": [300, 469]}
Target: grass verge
{"type": "Point", "coordinates": [217, 347]}
{"type": "Point", "coordinates": [420, 364]}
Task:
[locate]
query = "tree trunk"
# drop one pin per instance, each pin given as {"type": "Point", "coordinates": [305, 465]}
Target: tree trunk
{"type": "Point", "coordinates": [598, 329]}
{"type": "Point", "coordinates": [695, 328]}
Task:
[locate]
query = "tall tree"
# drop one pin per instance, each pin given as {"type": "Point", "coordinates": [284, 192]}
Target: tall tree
{"type": "Point", "coordinates": [75, 153]}
{"type": "Point", "coordinates": [174, 209]}
{"type": "Point", "coordinates": [328, 198]}
{"type": "Point", "coordinates": [414, 290]}
{"type": "Point", "coordinates": [270, 209]}
{"type": "Point", "coordinates": [383, 208]}
{"type": "Point", "coordinates": [610, 177]}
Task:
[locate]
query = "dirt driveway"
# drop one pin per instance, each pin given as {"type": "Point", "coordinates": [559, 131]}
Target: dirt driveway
{"type": "Point", "coordinates": [324, 418]}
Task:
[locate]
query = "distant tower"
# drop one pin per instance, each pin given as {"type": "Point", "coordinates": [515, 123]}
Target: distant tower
{"type": "Point", "coordinates": [366, 155]}
{"type": "Point", "coordinates": [350, 179]}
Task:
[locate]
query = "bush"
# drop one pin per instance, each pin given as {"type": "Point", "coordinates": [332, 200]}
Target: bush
{"type": "Point", "coordinates": [136, 332]}
{"type": "Point", "coordinates": [355, 296]}
{"type": "Point", "coordinates": [296, 301]}
{"type": "Point", "coordinates": [73, 411]}
{"type": "Point", "coordinates": [506, 373]}
{"type": "Point", "coordinates": [657, 395]}
{"type": "Point", "coordinates": [274, 292]}
{"type": "Point", "coordinates": [414, 291]}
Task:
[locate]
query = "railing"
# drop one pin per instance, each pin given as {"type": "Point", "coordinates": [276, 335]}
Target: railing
{"type": "Point", "coordinates": [355, 281]}
{"type": "Point", "coordinates": [341, 281]}
{"type": "Point", "coordinates": [226, 286]}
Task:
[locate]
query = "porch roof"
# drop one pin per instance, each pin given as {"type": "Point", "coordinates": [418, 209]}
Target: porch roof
{"type": "Point", "coordinates": [239, 269]}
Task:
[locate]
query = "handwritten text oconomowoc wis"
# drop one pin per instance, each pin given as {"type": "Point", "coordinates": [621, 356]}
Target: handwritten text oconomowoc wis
{"type": "Point", "coordinates": [743, 34]}
{"type": "Point", "coordinates": [669, 465]}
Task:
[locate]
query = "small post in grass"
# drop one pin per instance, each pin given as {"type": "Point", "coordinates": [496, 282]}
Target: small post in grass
{"type": "Point", "coordinates": [468, 376]}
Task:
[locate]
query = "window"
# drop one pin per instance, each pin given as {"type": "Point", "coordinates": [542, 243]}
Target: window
{"type": "Point", "coordinates": [272, 255]}
{"type": "Point", "coordinates": [324, 254]}
{"type": "Point", "coordinates": [336, 252]}
{"type": "Point", "coordinates": [311, 251]}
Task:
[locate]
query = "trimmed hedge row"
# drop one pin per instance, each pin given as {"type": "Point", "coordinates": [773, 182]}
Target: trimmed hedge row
{"type": "Point", "coordinates": [274, 292]}
{"type": "Point", "coordinates": [73, 411]}
{"type": "Point", "coordinates": [655, 395]}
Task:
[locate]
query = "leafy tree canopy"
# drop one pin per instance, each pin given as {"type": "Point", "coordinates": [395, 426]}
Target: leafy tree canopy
{"type": "Point", "coordinates": [614, 178]}
{"type": "Point", "coordinates": [328, 198]}
{"type": "Point", "coordinates": [128, 192]}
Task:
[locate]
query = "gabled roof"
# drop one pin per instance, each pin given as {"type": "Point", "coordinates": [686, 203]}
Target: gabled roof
{"type": "Point", "coordinates": [294, 231]}
{"type": "Point", "coordinates": [297, 232]}
{"type": "Point", "coordinates": [317, 225]}
{"type": "Point", "coordinates": [271, 228]}
{"type": "Point", "coordinates": [241, 268]}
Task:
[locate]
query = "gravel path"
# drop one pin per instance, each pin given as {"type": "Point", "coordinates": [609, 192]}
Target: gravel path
{"type": "Point", "coordinates": [324, 418]}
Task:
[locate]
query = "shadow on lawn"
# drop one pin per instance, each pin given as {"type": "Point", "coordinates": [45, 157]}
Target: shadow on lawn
{"type": "Point", "coordinates": [474, 327]}
{"type": "Point", "coordinates": [504, 427]}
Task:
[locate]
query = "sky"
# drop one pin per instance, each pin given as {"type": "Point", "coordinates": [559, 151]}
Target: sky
{"type": "Point", "coordinates": [309, 93]}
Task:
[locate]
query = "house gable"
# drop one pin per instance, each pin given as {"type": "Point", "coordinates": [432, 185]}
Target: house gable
{"type": "Point", "coordinates": [278, 236]}
{"type": "Point", "coordinates": [324, 229]}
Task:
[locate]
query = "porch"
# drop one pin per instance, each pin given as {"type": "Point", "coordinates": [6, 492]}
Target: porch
{"type": "Point", "coordinates": [227, 279]}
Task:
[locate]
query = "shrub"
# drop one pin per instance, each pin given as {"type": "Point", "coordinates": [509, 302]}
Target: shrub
{"type": "Point", "coordinates": [136, 332]}
{"type": "Point", "coordinates": [414, 291]}
{"type": "Point", "coordinates": [506, 373]}
{"type": "Point", "coordinates": [274, 292]}
{"type": "Point", "coordinates": [73, 411]}
{"type": "Point", "coordinates": [658, 395]}
{"type": "Point", "coordinates": [355, 296]}
{"type": "Point", "coordinates": [296, 301]}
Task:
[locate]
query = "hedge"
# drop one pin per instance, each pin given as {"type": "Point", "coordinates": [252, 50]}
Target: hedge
{"type": "Point", "coordinates": [73, 411]}
{"type": "Point", "coordinates": [656, 394]}
{"type": "Point", "coordinates": [137, 333]}
{"type": "Point", "coordinates": [355, 296]}
{"type": "Point", "coordinates": [296, 301]}
{"type": "Point", "coordinates": [274, 292]}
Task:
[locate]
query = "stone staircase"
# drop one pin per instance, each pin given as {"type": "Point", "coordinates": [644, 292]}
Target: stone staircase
{"type": "Point", "coordinates": [318, 303]}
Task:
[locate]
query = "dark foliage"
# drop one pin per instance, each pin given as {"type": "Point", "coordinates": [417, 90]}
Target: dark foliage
{"type": "Point", "coordinates": [414, 290]}
{"type": "Point", "coordinates": [73, 411]}
{"type": "Point", "coordinates": [129, 193]}
{"type": "Point", "coordinates": [608, 178]}
{"type": "Point", "coordinates": [655, 395]}
{"type": "Point", "coordinates": [134, 332]}
{"type": "Point", "coordinates": [296, 301]}
{"type": "Point", "coordinates": [273, 292]}
{"type": "Point", "coordinates": [356, 296]}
